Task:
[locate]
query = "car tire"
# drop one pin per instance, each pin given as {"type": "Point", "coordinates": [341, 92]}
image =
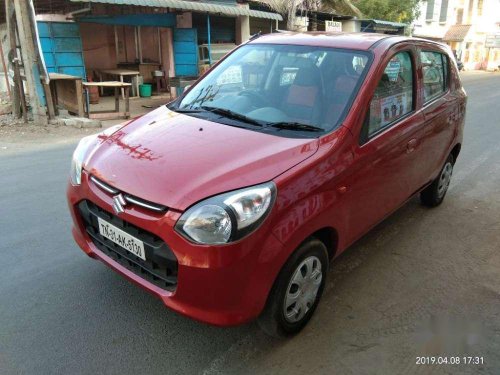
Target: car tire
{"type": "Point", "coordinates": [308, 266]}
{"type": "Point", "coordinates": [433, 195]}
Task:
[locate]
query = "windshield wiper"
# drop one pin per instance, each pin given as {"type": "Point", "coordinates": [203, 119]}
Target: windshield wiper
{"type": "Point", "coordinates": [187, 110]}
{"type": "Point", "coordinates": [295, 126]}
{"type": "Point", "coordinates": [232, 115]}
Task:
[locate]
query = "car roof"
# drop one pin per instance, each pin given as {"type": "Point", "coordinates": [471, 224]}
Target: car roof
{"type": "Point", "coordinates": [359, 41]}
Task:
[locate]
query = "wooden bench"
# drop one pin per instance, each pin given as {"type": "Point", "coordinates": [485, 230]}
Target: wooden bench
{"type": "Point", "coordinates": [108, 115]}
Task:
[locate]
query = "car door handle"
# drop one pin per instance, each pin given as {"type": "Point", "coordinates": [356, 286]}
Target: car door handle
{"type": "Point", "coordinates": [411, 145]}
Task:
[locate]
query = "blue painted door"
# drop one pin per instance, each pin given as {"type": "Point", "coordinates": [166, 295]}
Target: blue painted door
{"type": "Point", "coordinates": [62, 47]}
{"type": "Point", "coordinates": [186, 52]}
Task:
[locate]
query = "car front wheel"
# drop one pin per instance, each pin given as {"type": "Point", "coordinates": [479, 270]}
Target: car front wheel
{"type": "Point", "coordinates": [297, 290]}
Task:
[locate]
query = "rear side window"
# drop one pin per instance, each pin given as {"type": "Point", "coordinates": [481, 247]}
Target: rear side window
{"type": "Point", "coordinates": [435, 73]}
{"type": "Point", "coordinates": [393, 96]}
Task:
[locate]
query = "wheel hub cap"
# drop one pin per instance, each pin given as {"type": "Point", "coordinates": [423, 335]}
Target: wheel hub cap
{"type": "Point", "coordinates": [302, 289]}
{"type": "Point", "coordinates": [444, 179]}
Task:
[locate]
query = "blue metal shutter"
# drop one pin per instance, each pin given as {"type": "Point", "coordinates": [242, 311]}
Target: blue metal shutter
{"type": "Point", "coordinates": [186, 52]}
{"type": "Point", "coordinates": [62, 47]}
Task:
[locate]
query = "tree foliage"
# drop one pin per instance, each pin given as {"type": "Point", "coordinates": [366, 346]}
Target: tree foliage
{"type": "Point", "coordinates": [344, 7]}
{"type": "Point", "coordinates": [288, 8]}
{"type": "Point", "coordinates": [405, 11]}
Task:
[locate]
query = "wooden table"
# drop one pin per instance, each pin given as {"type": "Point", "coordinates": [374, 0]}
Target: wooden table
{"type": "Point", "coordinates": [120, 73]}
{"type": "Point", "coordinates": [67, 91]}
{"type": "Point", "coordinates": [110, 114]}
{"type": "Point", "coordinates": [145, 69]}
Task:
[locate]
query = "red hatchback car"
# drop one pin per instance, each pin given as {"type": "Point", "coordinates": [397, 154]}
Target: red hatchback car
{"type": "Point", "coordinates": [230, 202]}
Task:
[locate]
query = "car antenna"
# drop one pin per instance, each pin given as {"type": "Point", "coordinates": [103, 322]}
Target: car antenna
{"type": "Point", "coordinates": [255, 36]}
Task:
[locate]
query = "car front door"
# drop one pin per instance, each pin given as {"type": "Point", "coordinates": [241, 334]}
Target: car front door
{"type": "Point", "coordinates": [386, 159]}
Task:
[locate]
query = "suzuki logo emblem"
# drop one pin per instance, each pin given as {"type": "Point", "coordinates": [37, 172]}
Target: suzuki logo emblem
{"type": "Point", "coordinates": [119, 203]}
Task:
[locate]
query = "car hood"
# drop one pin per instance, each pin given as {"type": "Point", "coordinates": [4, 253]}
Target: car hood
{"type": "Point", "coordinates": [176, 160]}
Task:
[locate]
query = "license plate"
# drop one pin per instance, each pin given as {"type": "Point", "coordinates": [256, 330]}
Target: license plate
{"type": "Point", "coordinates": [122, 238]}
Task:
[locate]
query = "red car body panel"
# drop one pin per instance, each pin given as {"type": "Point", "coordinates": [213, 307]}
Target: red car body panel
{"type": "Point", "coordinates": [246, 263]}
{"type": "Point", "coordinates": [333, 184]}
{"type": "Point", "coordinates": [154, 155]}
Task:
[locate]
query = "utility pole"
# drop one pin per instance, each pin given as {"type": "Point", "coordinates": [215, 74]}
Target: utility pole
{"type": "Point", "coordinates": [29, 52]}
{"type": "Point", "coordinates": [12, 54]}
{"type": "Point", "coordinates": [4, 66]}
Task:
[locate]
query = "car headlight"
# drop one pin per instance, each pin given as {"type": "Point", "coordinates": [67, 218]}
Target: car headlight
{"type": "Point", "coordinates": [227, 217]}
{"type": "Point", "coordinates": [81, 151]}
{"type": "Point", "coordinates": [78, 158]}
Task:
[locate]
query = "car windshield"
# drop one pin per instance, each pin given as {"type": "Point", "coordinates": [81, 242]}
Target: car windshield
{"type": "Point", "coordinates": [290, 87]}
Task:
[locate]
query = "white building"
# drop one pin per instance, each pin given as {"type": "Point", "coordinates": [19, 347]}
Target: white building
{"type": "Point", "coordinates": [470, 27]}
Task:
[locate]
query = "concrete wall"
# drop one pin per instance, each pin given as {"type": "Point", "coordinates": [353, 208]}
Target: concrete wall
{"type": "Point", "coordinates": [242, 29]}
{"type": "Point", "coordinates": [351, 26]}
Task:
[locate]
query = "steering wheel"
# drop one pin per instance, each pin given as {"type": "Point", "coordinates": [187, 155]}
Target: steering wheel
{"type": "Point", "coordinates": [256, 98]}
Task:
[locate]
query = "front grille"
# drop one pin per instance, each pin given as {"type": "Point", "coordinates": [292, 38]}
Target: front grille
{"type": "Point", "coordinates": [160, 266]}
{"type": "Point", "coordinates": [128, 198]}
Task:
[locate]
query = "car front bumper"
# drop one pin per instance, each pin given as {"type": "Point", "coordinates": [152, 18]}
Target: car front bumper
{"type": "Point", "coordinates": [220, 285]}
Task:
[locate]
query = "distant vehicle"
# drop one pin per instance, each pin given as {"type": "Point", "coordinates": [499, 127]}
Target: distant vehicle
{"type": "Point", "coordinates": [230, 202]}
{"type": "Point", "coordinates": [460, 64]}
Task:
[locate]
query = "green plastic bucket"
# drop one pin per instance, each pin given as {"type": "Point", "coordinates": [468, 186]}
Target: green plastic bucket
{"type": "Point", "coordinates": [145, 90]}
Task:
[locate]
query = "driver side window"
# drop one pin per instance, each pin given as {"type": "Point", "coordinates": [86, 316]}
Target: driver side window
{"type": "Point", "coordinates": [393, 97]}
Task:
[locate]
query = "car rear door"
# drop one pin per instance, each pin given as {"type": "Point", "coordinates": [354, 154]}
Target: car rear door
{"type": "Point", "coordinates": [386, 159]}
{"type": "Point", "coordinates": [441, 108]}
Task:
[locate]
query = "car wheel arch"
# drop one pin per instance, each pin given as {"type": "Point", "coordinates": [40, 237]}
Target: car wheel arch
{"type": "Point", "coordinates": [330, 238]}
{"type": "Point", "coordinates": [456, 151]}
{"type": "Point", "coordinates": [327, 235]}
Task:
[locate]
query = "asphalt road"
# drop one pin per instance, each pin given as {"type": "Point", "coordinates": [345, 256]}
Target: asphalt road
{"type": "Point", "coordinates": [425, 282]}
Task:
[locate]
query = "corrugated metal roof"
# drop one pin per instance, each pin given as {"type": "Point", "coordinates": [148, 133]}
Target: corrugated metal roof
{"type": "Point", "coordinates": [191, 5]}
{"type": "Point", "coordinates": [456, 33]}
{"type": "Point", "coordinates": [385, 23]}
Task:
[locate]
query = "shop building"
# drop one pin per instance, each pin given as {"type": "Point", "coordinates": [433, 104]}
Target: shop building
{"type": "Point", "coordinates": [171, 39]}
{"type": "Point", "coordinates": [470, 27]}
